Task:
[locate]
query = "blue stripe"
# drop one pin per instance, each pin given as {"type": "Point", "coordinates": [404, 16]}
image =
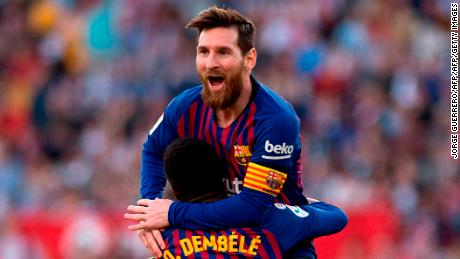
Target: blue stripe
{"type": "Point", "coordinates": [212, 254]}
{"type": "Point", "coordinates": [266, 244]}
{"type": "Point", "coordinates": [222, 148]}
{"type": "Point", "coordinates": [263, 245]}
{"type": "Point", "coordinates": [211, 134]}
{"type": "Point", "coordinates": [181, 236]}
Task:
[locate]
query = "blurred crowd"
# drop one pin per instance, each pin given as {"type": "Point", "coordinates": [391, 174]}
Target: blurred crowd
{"type": "Point", "coordinates": [82, 82]}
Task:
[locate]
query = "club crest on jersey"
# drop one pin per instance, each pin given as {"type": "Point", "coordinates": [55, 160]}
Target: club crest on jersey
{"type": "Point", "coordinates": [274, 181]}
{"type": "Point", "coordinates": [242, 154]}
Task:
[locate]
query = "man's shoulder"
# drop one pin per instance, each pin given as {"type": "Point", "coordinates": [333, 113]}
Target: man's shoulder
{"type": "Point", "coordinates": [272, 109]}
{"type": "Point", "coordinates": [272, 104]}
{"type": "Point", "coordinates": [190, 94]}
{"type": "Point", "coordinates": [184, 99]}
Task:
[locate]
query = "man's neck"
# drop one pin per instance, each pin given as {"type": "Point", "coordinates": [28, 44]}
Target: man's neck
{"type": "Point", "coordinates": [227, 116]}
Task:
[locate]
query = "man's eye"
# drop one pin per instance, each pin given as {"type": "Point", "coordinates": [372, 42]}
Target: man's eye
{"type": "Point", "coordinates": [202, 51]}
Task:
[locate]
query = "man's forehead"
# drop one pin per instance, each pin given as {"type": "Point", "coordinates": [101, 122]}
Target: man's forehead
{"type": "Point", "coordinates": [218, 37]}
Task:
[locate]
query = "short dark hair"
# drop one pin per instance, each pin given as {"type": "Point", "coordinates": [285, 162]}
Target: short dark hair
{"type": "Point", "coordinates": [194, 170]}
{"type": "Point", "coordinates": [219, 17]}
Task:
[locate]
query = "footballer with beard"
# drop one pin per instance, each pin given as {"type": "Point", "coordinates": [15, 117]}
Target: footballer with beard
{"type": "Point", "coordinates": [255, 132]}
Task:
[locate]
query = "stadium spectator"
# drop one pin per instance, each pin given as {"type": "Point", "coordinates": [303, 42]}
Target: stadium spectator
{"type": "Point", "coordinates": [73, 113]}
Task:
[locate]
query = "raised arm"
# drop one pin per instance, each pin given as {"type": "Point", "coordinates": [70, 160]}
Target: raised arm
{"type": "Point", "coordinates": [162, 133]}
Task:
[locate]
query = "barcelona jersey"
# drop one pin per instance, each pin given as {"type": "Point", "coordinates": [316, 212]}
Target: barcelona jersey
{"type": "Point", "coordinates": [232, 243]}
{"type": "Point", "coordinates": [261, 150]}
{"type": "Point", "coordinates": [284, 227]}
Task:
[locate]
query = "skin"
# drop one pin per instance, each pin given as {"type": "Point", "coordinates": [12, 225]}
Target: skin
{"type": "Point", "coordinates": [217, 54]}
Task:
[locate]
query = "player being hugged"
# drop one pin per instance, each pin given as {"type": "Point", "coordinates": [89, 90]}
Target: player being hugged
{"type": "Point", "coordinates": [195, 175]}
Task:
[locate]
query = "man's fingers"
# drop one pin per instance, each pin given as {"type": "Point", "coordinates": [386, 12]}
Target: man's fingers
{"type": "Point", "coordinates": [141, 235]}
{"type": "Point", "coordinates": [152, 244]}
{"type": "Point", "coordinates": [138, 226]}
{"type": "Point", "coordinates": [137, 217]}
{"type": "Point", "coordinates": [136, 209]}
{"type": "Point", "coordinates": [144, 202]}
{"type": "Point", "coordinates": [159, 238]}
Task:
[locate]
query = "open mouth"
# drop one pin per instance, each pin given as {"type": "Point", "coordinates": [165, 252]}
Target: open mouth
{"type": "Point", "coordinates": [216, 82]}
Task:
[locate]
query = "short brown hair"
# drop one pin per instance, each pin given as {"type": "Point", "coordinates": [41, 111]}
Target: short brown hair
{"type": "Point", "coordinates": [219, 17]}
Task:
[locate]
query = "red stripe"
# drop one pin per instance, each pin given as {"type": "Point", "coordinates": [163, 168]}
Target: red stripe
{"type": "Point", "coordinates": [240, 234]}
{"type": "Point", "coordinates": [219, 255]}
{"type": "Point", "coordinates": [250, 125]}
{"type": "Point", "coordinates": [299, 168]}
{"type": "Point", "coordinates": [239, 142]}
{"type": "Point", "coordinates": [228, 154]}
{"type": "Point", "coordinates": [205, 128]}
{"type": "Point", "coordinates": [260, 170]}
{"type": "Point", "coordinates": [256, 180]}
{"type": "Point", "coordinates": [231, 255]}
{"type": "Point", "coordinates": [256, 187]}
{"type": "Point", "coordinates": [260, 183]}
{"type": "Point", "coordinates": [235, 132]}
{"type": "Point", "coordinates": [202, 116]}
{"type": "Point", "coordinates": [299, 174]}
{"type": "Point", "coordinates": [176, 238]}
{"type": "Point", "coordinates": [205, 253]}
{"type": "Point", "coordinates": [191, 119]}
{"type": "Point", "coordinates": [282, 176]}
{"type": "Point", "coordinates": [180, 127]}
{"type": "Point", "coordinates": [261, 249]}
{"type": "Point", "coordinates": [189, 234]}
{"type": "Point", "coordinates": [234, 166]}
{"type": "Point", "coordinates": [214, 134]}
{"type": "Point", "coordinates": [223, 140]}
{"type": "Point", "coordinates": [224, 137]}
{"type": "Point", "coordinates": [273, 243]}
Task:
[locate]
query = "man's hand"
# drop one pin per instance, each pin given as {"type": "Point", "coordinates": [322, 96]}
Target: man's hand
{"type": "Point", "coordinates": [149, 214]}
{"type": "Point", "coordinates": [152, 240]}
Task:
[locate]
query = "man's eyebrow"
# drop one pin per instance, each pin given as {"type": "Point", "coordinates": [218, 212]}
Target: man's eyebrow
{"type": "Point", "coordinates": [224, 48]}
{"type": "Point", "coordinates": [201, 47]}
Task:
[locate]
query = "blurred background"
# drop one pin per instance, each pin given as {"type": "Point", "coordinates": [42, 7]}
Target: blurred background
{"type": "Point", "coordinates": [82, 82]}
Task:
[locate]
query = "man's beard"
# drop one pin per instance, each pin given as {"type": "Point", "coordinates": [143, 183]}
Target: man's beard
{"type": "Point", "coordinates": [225, 97]}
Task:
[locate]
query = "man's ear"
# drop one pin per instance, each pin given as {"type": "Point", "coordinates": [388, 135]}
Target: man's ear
{"type": "Point", "coordinates": [250, 59]}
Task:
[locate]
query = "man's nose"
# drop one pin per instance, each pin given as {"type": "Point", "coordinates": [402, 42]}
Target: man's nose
{"type": "Point", "coordinates": [211, 61]}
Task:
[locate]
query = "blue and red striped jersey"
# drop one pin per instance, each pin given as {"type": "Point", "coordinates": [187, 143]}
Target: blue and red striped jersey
{"type": "Point", "coordinates": [284, 227]}
{"type": "Point", "coordinates": [231, 243]}
{"type": "Point", "coordinates": [261, 149]}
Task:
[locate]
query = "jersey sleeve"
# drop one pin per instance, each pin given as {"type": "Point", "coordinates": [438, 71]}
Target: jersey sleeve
{"type": "Point", "coordinates": [277, 141]}
{"type": "Point", "coordinates": [160, 136]}
{"type": "Point", "coordinates": [263, 181]}
{"type": "Point", "coordinates": [247, 209]}
{"type": "Point", "coordinates": [295, 224]}
{"type": "Point", "coordinates": [328, 219]}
